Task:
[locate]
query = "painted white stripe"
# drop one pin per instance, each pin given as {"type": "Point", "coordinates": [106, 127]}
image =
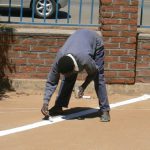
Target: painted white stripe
{"type": "Point", "coordinates": [134, 100]}
{"type": "Point", "coordinates": [71, 116]}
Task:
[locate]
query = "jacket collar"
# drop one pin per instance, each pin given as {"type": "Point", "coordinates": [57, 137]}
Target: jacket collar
{"type": "Point", "coordinates": [74, 61]}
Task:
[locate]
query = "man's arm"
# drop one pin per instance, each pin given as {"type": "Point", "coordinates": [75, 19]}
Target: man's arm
{"type": "Point", "coordinates": [96, 65]}
{"type": "Point", "coordinates": [91, 70]}
{"type": "Point", "coordinates": [51, 84]}
{"type": "Point", "coordinates": [88, 79]}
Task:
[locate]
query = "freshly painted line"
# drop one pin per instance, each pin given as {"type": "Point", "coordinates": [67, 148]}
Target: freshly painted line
{"type": "Point", "coordinates": [134, 100]}
{"type": "Point", "coordinates": [67, 117]}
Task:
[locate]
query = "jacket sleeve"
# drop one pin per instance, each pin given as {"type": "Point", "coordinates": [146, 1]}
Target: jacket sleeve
{"type": "Point", "coordinates": [91, 69]}
{"type": "Point", "coordinates": [51, 83]}
{"type": "Point", "coordinates": [90, 66]}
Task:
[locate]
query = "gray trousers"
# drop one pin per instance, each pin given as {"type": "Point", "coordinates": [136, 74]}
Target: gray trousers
{"type": "Point", "coordinates": [68, 83]}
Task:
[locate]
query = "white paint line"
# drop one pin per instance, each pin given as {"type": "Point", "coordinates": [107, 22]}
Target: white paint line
{"type": "Point", "coordinates": [71, 116]}
{"type": "Point", "coordinates": [86, 96]}
{"type": "Point", "coordinates": [134, 100]}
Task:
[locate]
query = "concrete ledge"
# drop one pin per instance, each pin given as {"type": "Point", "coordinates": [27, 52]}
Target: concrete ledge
{"type": "Point", "coordinates": [48, 31]}
{"type": "Point", "coordinates": [37, 87]}
{"type": "Point", "coordinates": [144, 36]}
{"type": "Point", "coordinates": [143, 88]}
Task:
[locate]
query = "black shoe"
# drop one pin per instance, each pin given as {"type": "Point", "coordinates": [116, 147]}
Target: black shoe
{"type": "Point", "coordinates": [55, 110]}
{"type": "Point", "coordinates": [104, 116]}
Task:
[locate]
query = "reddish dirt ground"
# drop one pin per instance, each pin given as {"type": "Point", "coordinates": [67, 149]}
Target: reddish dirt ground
{"type": "Point", "coordinates": [129, 128]}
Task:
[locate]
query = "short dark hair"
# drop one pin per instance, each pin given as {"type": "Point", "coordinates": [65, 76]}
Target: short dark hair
{"type": "Point", "coordinates": [65, 65]}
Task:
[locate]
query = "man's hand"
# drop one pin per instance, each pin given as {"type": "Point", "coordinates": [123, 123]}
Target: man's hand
{"type": "Point", "coordinates": [80, 92]}
{"type": "Point", "coordinates": [44, 110]}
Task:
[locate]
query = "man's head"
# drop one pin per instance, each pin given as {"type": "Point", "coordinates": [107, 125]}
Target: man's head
{"type": "Point", "coordinates": [66, 65]}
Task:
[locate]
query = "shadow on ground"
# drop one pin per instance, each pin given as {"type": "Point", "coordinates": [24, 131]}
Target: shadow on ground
{"type": "Point", "coordinates": [67, 113]}
{"type": "Point", "coordinates": [95, 114]}
{"type": "Point", "coordinates": [5, 86]}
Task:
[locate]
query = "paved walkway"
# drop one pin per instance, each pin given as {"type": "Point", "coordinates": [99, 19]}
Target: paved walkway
{"type": "Point", "coordinates": [128, 128]}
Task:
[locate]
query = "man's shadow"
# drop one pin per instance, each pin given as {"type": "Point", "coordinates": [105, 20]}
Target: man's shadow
{"type": "Point", "coordinates": [78, 113]}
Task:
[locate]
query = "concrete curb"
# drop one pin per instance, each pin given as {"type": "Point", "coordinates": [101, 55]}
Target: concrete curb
{"type": "Point", "coordinates": [36, 86]}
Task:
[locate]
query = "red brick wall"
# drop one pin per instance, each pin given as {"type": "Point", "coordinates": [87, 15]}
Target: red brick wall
{"type": "Point", "coordinates": [33, 54]}
{"type": "Point", "coordinates": [143, 59]}
{"type": "Point", "coordinates": [126, 61]}
{"type": "Point", "coordinates": [119, 29]}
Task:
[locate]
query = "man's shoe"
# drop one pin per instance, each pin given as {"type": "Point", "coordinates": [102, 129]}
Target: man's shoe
{"type": "Point", "coordinates": [55, 110]}
{"type": "Point", "coordinates": [104, 116]}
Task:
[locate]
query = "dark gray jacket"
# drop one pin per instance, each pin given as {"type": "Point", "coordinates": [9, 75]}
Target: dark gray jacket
{"type": "Point", "coordinates": [82, 45]}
